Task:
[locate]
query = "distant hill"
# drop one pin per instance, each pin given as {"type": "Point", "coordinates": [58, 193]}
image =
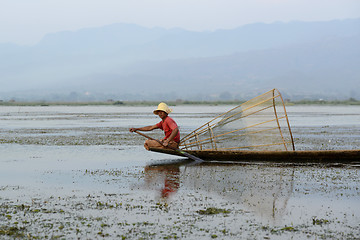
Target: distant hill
{"type": "Point", "coordinates": [328, 69]}
{"type": "Point", "coordinates": [303, 59]}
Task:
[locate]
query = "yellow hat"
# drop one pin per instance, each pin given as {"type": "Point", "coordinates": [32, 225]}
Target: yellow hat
{"type": "Point", "coordinates": [163, 107]}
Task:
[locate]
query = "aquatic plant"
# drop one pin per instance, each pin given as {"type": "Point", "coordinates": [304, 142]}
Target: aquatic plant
{"type": "Point", "coordinates": [212, 210]}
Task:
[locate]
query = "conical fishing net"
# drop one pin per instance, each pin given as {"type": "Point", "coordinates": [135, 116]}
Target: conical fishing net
{"type": "Point", "coordinates": [260, 124]}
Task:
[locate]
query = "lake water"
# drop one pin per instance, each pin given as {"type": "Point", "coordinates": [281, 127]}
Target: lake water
{"type": "Point", "coordinates": [76, 172]}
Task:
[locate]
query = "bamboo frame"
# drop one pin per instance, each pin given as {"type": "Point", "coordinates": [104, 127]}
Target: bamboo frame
{"type": "Point", "coordinates": [287, 120]}
{"type": "Point", "coordinates": [199, 138]}
{"type": "Point", "coordinates": [250, 146]}
{"type": "Point", "coordinates": [193, 132]}
{"type": "Point", "coordinates": [203, 141]}
{"type": "Point", "coordinates": [193, 144]}
{"type": "Point", "coordinates": [213, 142]}
{"type": "Point", "coordinates": [277, 121]}
{"type": "Point", "coordinates": [212, 126]}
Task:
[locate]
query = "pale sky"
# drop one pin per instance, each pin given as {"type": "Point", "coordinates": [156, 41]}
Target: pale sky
{"type": "Point", "coordinates": [27, 21]}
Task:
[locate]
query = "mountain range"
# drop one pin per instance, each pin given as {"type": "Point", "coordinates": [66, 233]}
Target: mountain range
{"type": "Point", "coordinates": [130, 62]}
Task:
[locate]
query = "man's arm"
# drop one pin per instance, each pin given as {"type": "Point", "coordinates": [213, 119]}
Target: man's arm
{"type": "Point", "coordinates": [171, 137]}
{"type": "Point", "coordinates": [147, 128]}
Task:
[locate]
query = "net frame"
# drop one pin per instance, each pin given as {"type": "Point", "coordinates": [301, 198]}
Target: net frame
{"type": "Point", "coordinates": [257, 125]}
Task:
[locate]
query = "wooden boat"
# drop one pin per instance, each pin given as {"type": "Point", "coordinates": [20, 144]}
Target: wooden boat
{"type": "Point", "coordinates": [257, 130]}
{"type": "Point", "coordinates": [296, 157]}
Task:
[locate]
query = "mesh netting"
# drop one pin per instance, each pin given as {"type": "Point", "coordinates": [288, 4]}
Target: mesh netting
{"type": "Point", "coordinates": [259, 124]}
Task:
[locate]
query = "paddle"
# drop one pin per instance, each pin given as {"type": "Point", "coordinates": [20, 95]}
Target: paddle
{"type": "Point", "coordinates": [172, 148]}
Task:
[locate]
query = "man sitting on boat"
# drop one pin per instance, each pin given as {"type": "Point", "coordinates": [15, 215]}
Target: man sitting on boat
{"type": "Point", "coordinates": [167, 124]}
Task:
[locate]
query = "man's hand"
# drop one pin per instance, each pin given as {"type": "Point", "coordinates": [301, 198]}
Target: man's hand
{"type": "Point", "coordinates": [165, 142]}
{"type": "Point", "coordinates": [133, 129]}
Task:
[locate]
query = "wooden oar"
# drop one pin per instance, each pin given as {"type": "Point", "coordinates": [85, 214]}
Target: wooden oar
{"type": "Point", "coordinates": [175, 149]}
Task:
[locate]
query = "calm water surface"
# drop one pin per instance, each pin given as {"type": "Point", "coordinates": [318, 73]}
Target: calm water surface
{"type": "Point", "coordinates": [82, 174]}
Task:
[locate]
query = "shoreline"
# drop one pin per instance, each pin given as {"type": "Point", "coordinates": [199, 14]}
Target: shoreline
{"type": "Point", "coordinates": [350, 102]}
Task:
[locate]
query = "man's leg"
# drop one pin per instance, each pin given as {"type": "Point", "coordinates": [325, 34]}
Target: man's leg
{"type": "Point", "coordinates": [155, 144]}
{"type": "Point", "coordinates": [152, 143]}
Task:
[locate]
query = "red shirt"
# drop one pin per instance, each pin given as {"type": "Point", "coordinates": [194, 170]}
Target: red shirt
{"type": "Point", "coordinates": [168, 125]}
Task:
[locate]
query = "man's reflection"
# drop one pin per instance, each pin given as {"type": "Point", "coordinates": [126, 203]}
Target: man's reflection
{"type": "Point", "coordinates": [167, 177]}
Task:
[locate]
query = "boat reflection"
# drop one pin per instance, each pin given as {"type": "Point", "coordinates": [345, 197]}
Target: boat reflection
{"type": "Point", "coordinates": [263, 189]}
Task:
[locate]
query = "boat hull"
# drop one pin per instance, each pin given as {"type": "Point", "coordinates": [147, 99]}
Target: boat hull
{"type": "Point", "coordinates": [321, 156]}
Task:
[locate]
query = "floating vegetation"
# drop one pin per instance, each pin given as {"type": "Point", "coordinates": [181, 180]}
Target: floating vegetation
{"type": "Point", "coordinates": [67, 136]}
{"type": "Point", "coordinates": [13, 232]}
{"type": "Point", "coordinates": [282, 230]}
{"type": "Point", "coordinates": [212, 211]}
{"type": "Point", "coordinates": [319, 221]}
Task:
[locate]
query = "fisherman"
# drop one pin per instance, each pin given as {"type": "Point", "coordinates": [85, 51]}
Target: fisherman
{"type": "Point", "coordinates": [167, 124]}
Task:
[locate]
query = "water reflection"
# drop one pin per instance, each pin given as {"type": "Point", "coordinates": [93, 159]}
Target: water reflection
{"type": "Point", "coordinates": [262, 189]}
{"type": "Point", "coordinates": [166, 178]}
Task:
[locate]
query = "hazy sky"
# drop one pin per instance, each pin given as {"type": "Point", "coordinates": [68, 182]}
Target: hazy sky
{"type": "Point", "coordinates": [27, 21]}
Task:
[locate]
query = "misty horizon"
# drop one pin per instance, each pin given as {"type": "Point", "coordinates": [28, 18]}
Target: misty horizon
{"type": "Point", "coordinates": [160, 54]}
